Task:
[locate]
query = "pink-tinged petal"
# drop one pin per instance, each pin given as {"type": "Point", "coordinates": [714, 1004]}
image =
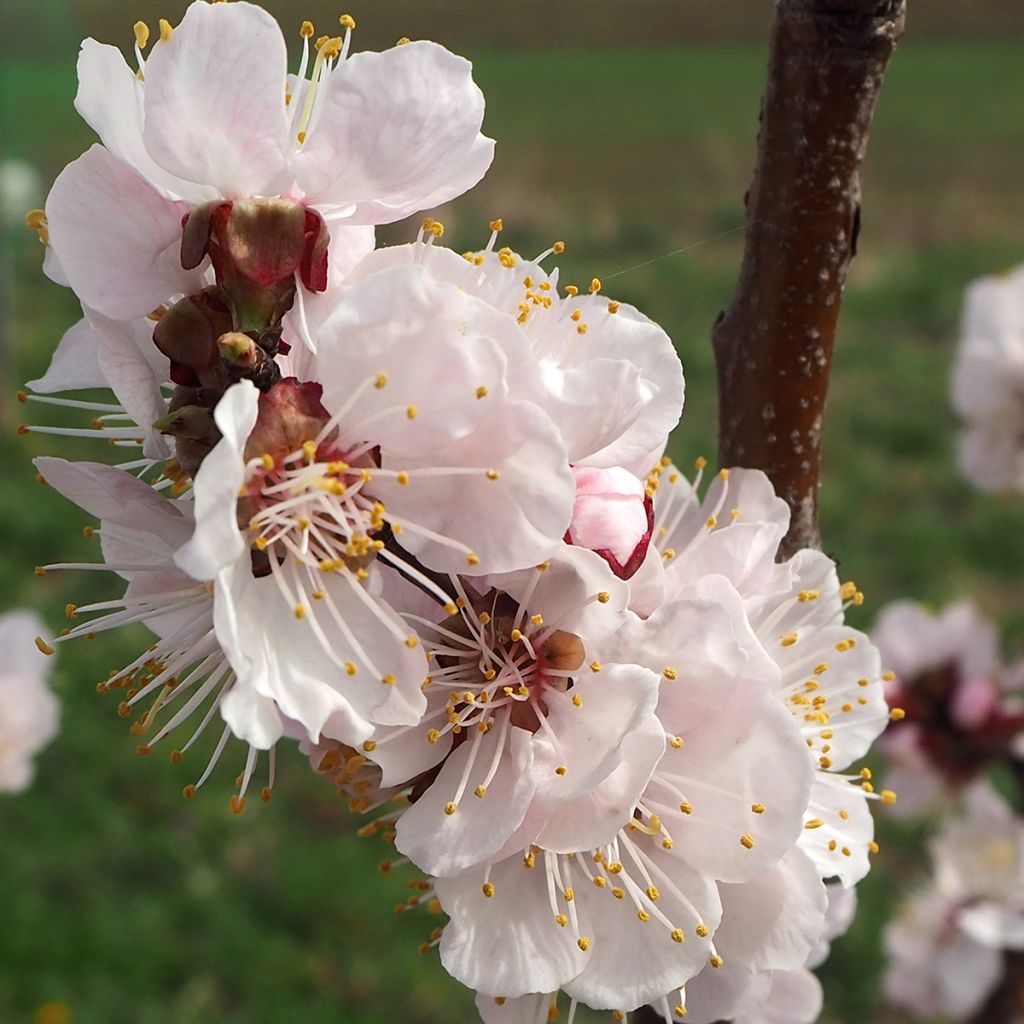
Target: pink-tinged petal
{"type": "Point", "coordinates": [75, 363]}
{"type": "Point", "coordinates": [403, 754]}
{"type": "Point", "coordinates": [718, 994]}
{"type": "Point", "coordinates": [593, 818]}
{"type": "Point", "coordinates": [217, 541]}
{"type": "Point", "coordinates": [215, 110]}
{"type": "Point", "coordinates": [513, 517]}
{"type": "Point", "coordinates": [507, 944]}
{"type": "Point", "coordinates": [116, 237]}
{"type": "Point", "coordinates": [444, 844]}
{"type": "Point", "coordinates": [52, 268]}
{"type": "Point", "coordinates": [110, 99]}
{"type": "Point", "coordinates": [135, 369]}
{"type": "Point", "coordinates": [629, 336]}
{"type": "Point", "coordinates": [531, 1009]}
{"type": "Point", "coordinates": [299, 661]}
{"type": "Point", "coordinates": [398, 131]}
{"type": "Point", "coordinates": [839, 845]}
{"type": "Point", "coordinates": [795, 997]}
{"type": "Point", "coordinates": [251, 716]}
{"type": "Point", "coordinates": [774, 921]}
{"type": "Point", "coordinates": [610, 516]}
{"type": "Point", "coordinates": [115, 496]}
{"type": "Point", "coordinates": [630, 961]}
{"type": "Point", "coordinates": [739, 825]}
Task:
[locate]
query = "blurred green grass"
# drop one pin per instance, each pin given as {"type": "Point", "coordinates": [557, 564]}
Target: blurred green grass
{"type": "Point", "coordinates": [130, 905]}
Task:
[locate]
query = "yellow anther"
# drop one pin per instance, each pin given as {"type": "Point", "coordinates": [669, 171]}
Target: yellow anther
{"type": "Point", "coordinates": [380, 380]}
{"type": "Point", "coordinates": [449, 808]}
{"type": "Point", "coordinates": [403, 478]}
{"type": "Point", "coordinates": [897, 714]}
{"type": "Point", "coordinates": [300, 611]}
{"type": "Point", "coordinates": [141, 34]}
{"type": "Point", "coordinates": [571, 290]}
{"type": "Point", "coordinates": [537, 620]}
{"type": "Point", "coordinates": [497, 225]}
{"type": "Point", "coordinates": [488, 889]}
{"type": "Point", "coordinates": [350, 669]}
{"type": "Point", "coordinates": [676, 743]}
{"type": "Point", "coordinates": [604, 597]}
{"type": "Point", "coordinates": [700, 462]}
{"type": "Point", "coordinates": [561, 920]}
{"type": "Point", "coordinates": [577, 700]}
{"type": "Point", "coordinates": [702, 930]}
{"type": "Point", "coordinates": [873, 847]}
{"type": "Point", "coordinates": [388, 680]}
{"type": "Point", "coordinates": [306, 30]}
{"type": "Point", "coordinates": [887, 796]}
{"type": "Point", "coordinates": [747, 841]}
{"type": "Point", "coordinates": [595, 666]}
{"type": "Point", "coordinates": [757, 808]}
{"type": "Point", "coordinates": [652, 893]}
{"type": "Point", "coordinates": [670, 673]}
{"type": "Point", "coordinates": [165, 30]}
{"type": "Point", "coordinates": [601, 882]}
{"type": "Point", "coordinates": [481, 392]}
{"type": "Point", "coordinates": [404, 41]}
{"type": "Point", "coordinates": [613, 307]}
{"type": "Point", "coordinates": [680, 1010]}
{"type": "Point", "coordinates": [847, 590]}
{"type": "Point", "coordinates": [678, 936]}
{"type": "Point", "coordinates": [347, 21]}
{"type": "Point", "coordinates": [558, 248]}
{"type": "Point", "coordinates": [582, 329]}
{"type": "Point", "coordinates": [569, 894]}
{"type": "Point", "coordinates": [595, 286]}
{"type": "Point", "coordinates": [716, 961]}
{"type": "Point", "coordinates": [617, 892]}
{"type": "Point", "coordinates": [433, 735]}
{"type": "Point", "coordinates": [643, 916]}
{"type": "Point", "coordinates": [788, 639]}
{"type": "Point", "coordinates": [686, 807]}
{"type": "Point", "coordinates": [813, 823]}
{"type": "Point", "coordinates": [561, 770]}
{"type": "Point", "coordinates": [43, 647]}
{"type": "Point", "coordinates": [473, 558]}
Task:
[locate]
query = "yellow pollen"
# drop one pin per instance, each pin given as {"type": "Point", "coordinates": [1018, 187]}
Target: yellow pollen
{"type": "Point", "coordinates": [561, 920]}
{"type": "Point", "coordinates": [897, 714]}
{"type": "Point", "coordinates": [747, 841]}
{"type": "Point", "coordinates": [165, 30]}
{"type": "Point", "coordinates": [481, 392]}
{"type": "Point", "coordinates": [350, 668]}
{"type": "Point", "coordinates": [680, 1010]}
{"type": "Point", "coordinates": [888, 797]}
{"type": "Point", "coordinates": [700, 462]}
{"type": "Point", "coordinates": [788, 639]}
{"type": "Point", "coordinates": [300, 611]}
{"type": "Point", "coordinates": [678, 936]}
{"type": "Point", "coordinates": [369, 746]}
{"type": "Point", "coordinates": [702, 930]}
{"type": "Point", "coordinates": [561, 770]}
{"type": "Point", "coordinates": [813, 823]}
{"type": "Point", "coordinates": [613, 307]}
{"type": "Point", "coordinates": [380, 380]}
{"type": "Point", "coordinates": [141, 34]}
{"type": "Point", "coordinates": [577, 700]}
{"type": "Point", "coordinates": [558, 248]}
{"type": "Point", "coordinates": [388, 680]}
{"type": "Point", "coordinates": [473, 558]}
{"type": "Point", "coordinates": [497, 225]}
{"type": "Point", "coordinates": [582, 329]}
{"type": "Point", "coordinates": [642, 915]}
{"type": "Point", "coordinates": [488, 889]}
{"type": "Point", "coordinates": [537, 620]}
{"type": "Point", "coordinates": [480, 791]}
{"type": "Point", "coordinates": [403, 478]}
{"type": "Point", "coordinates": [652, 893]}
{"type": "Point", "coordinates": [617, 892]}
{"type": "Point", "coordinates": [686, 807]}
{"type": "Point", "coordinates": [716, 961]}
{"type": "Point", "coordinates": [604, 597]}
{"type": "Point", "coordinates": [595, 666]}
{"type": "Point", "coordinates": [449, 808]}
{"type": "Point", "coordinates": [433, 735]}
{"type": "Point", "coordinates": [757, 808]}
{"type": "Point", "coordinates": [404, 41]}
{"type": "Point", "coordinates": [670, 673]}
{"type": "Point", "coordinates": [347, 21]}
{"type": "Point", "coordinates": [43, 647]}
{"type": "Point", "coordinates": [306, 30]}
{"type": "Point", "coordinates": [873, 846]}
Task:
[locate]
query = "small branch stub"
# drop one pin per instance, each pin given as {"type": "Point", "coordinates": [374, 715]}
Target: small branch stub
{"type": "Point", "coordinates": [773, 345]}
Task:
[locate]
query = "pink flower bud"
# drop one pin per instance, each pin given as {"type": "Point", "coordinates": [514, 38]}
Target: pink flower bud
{"type": "Point", "coordinates": [612, 516]}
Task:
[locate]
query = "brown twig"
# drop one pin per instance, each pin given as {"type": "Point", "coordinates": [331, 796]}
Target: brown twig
{"type": "Point", "coordinates": [773, 345]}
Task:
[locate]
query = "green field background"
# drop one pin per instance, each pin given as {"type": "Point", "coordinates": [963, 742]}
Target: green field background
{"type": "Point", "coordinates": [628, 131]}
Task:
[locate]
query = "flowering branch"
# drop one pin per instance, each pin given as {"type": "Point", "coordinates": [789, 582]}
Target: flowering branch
{"type": "Point", "coordinates": [774, 343]}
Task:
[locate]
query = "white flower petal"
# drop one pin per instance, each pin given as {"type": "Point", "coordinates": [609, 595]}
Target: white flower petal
{"type": "Point", "coordinates": [118, 240]}
{"type": "Point", "coordinates": [398, 131]}
{"type": "Point", "coordinates": [75, 363]}
{"type": "Point", "coordinates": [214, 102]}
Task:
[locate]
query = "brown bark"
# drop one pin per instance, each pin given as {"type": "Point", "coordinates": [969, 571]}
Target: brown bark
{"type": "Point", "coordinates": [773, 345]}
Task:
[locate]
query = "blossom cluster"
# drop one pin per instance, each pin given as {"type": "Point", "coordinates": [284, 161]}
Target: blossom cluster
{"type": "Point", "coordinates": [947, 945]}
{"type": "Point", "coordinates": [963, 705]}
{"type": "Point", "coordinates": [410, 509]}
